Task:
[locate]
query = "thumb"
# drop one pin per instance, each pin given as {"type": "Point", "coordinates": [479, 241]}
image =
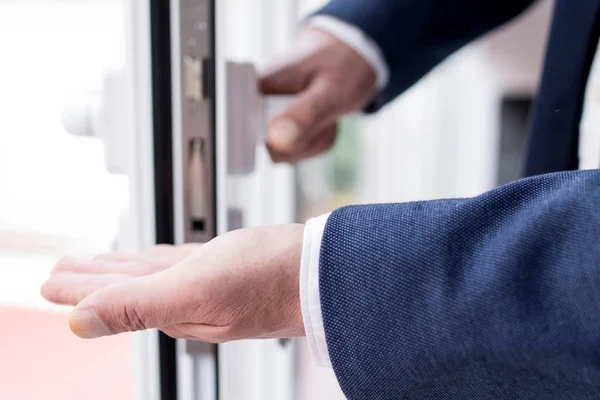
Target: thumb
{"type": "Point", "coordinates": [305, 117]}
{"type": "Point", "coordinates": [138, 304]}
{"type": "Point", "coordinates": [287, 77]}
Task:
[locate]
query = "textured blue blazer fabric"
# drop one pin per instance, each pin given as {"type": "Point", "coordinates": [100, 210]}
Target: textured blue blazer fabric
{"type": "Point", "coordinates": [493, 297]}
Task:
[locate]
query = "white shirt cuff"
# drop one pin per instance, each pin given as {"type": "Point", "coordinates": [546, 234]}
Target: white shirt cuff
{"type": "Point", "coordinates": [359, 41]}
{"type": "Point", "coordinates": [310, 298]}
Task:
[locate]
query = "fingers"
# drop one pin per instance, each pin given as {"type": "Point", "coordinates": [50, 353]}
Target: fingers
{"type": "Point", "coordinates": [69, 288]}
{"type": "Point", "coordinates": [206, 333]}
{"type": "Point", "coordinates": [294, 71]}
{"type": "Point", "coordinates": [322, 143]}
{"type": "Point", "coordinates": [286, 78]}
{"type": "Point", "coordinates": [176, 332]}
{"type": "Point", "coordinates": [108, 264]}
{"type": "Point", "coordinates": [330, 80]}
{"type": "Point", "coordinates": [156, 259]}
{"type": "Point", "coordinates": [220, 334]}
{"type": "Point", "coordinates": [169, 249]}
{"type": "Point", "coordinates": [74, 279]}
{"type": "Point", "coordinates": [136, 304]}
{"type": "Point", "coordinates": [293, 130]}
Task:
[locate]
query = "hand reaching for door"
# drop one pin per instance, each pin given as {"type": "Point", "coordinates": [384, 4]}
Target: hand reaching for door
{"type": "Point", "coordinates": [329, 80]}
{"type": "Point", "coordinates": [241, 285]}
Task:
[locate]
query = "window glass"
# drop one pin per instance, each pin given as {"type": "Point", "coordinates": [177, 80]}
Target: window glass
{"type": "Point", "coordinates": [56, 196]}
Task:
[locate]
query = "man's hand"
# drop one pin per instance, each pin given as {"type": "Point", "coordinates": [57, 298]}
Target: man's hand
{"type": "Point", "coordinates": [330, 79]}
{"type": "Point", "coordinates": [73, 279]}
{"type": "Point", "coordinates": [242, 285]}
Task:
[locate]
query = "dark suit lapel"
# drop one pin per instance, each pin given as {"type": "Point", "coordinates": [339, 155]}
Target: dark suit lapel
{"type": "Point", "coordinates": [555, 127]}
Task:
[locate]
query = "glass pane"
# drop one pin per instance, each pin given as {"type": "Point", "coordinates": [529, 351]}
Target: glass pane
{"type": "Point", "coordinates": [56, 195]}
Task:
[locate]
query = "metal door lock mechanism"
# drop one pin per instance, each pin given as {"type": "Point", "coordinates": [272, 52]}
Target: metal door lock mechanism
{"type": "Point", "coordinates": [248, 115]}
{"type": "Point", "coordinates": [198, 181]}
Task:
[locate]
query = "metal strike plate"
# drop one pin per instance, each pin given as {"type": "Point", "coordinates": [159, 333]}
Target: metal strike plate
{"type": "Point", "coordinates": [193, 119]}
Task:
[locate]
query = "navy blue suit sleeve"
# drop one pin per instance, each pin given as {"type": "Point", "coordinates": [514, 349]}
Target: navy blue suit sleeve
{"type": "Point", "coordinates": [492, 297]}
{"type": "Point", "coordinates": [416, 35]}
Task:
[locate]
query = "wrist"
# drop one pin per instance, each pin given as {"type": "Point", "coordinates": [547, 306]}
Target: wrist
{"type": "Point", "coordinates": [362, 44]}
{"type": "Point", "coordinates": [297, 321]}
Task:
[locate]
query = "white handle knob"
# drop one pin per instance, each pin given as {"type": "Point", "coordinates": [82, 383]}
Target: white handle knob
{"type": "Point", "coordinates": [79, 114]}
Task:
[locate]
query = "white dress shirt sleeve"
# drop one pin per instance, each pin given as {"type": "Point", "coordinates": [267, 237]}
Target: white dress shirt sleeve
{"type": "Point", "coordinates": [310, 298]}
{"type": "Point", "coordinates": [313, 232]}
{"type": "Point", "coordinates": [589, 127]}
{"type": "Point", "coordinates": [359, 41]}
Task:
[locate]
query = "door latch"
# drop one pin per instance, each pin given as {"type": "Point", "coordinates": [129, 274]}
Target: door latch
{"type": "Point", "coordinates": [248, 116]}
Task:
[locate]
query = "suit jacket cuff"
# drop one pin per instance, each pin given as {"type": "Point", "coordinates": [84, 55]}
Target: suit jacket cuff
{"type": "Point", "coordinates": [310, 298]}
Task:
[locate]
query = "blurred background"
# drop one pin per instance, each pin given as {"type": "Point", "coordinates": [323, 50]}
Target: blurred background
{"type": "Point", "coordinates": [458, 132]}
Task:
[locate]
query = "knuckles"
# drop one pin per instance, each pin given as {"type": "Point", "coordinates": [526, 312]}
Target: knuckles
{"type": "Point", "coordinates": [125, 318]}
